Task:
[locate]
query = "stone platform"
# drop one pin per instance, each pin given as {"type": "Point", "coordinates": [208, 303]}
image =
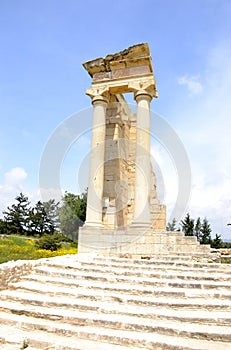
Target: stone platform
{"type": "Point", "coordinates": [88, 301]}
{"type": "Point", "coordinates": [137, 245]}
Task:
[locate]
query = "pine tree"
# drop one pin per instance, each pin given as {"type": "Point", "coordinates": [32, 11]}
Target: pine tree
{"type": "Point", "coordinates": [43, 218]}
{"type": "Point", "coordinates": [3, 229]}
{"type": "Point", "coordinates": [52, 213]}
{"type": "Point", "coordinates": [187, 225]}
{"type": "Point", "coordinates": [217, 242]}
{"type": "Point", "coordinates": [16, 217]}
{"type": "Point", "coordinates": [171, 226]}
{"type": "Point", "coordinates": [205, 232]}
{"type": "Point", "coordinates": [197, 229]}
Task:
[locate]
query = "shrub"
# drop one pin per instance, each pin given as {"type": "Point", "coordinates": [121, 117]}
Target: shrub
{"type": "Point", "coordinates": [19, 248]}
{"type": "Point", "coordinates": [49, 242]}
{"type": "Point", "coordinates": [74, 244]}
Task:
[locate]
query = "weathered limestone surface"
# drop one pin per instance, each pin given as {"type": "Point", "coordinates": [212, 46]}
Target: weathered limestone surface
{"type": "Point", "coordinates": [122, 187]}
{"type": "Point", "coordinates": [96, 173]}
{"type": "Point", "coordinates": [126, 189]}
{"type": "Point", "coordinates": [121, 242]}
{"type": "Point", "coordinates": [124, 214]}
{"type": "Point", "coordinates": [86, 301]}
{"type": "Point", "coordinates": [13, 270]}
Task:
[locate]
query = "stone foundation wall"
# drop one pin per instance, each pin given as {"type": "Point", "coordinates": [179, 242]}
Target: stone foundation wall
{"type": "Point", "coordinates": [136, 245]}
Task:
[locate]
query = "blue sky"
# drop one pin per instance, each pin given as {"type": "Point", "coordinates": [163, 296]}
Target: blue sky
{"type": "Point", "coordinates": [42, 82]}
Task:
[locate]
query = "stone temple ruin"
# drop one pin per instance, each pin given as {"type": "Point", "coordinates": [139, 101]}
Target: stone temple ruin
{"type": "Point", "coordinates": [93, 301]}
{"type": "Point", "coordinates": [124, 215]}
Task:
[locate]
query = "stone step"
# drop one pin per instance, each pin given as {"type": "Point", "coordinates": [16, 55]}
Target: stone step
{"type": "Point", "coordinates": [59, 274]}
{"type": "Point", "coordinates": [215, 287]}
{"type": "Point", "coordinates": [213, 332]}
{"type": "Point", "coordinates": [16, 346]}
{"type": "Point", "coordinates": [158, 260]}
{"type": "Point", "coordinates": [152, 340]}
{"type": "Point", "coordinates": [170, 280]}
{"type": "Point", "coordinates": [180, 259]}
{"type": "Point", "coordinates": [40, 340]}
{"type": "Point", "coordinates": [128, 323]}
{"type": "Point", "coordinates": [183, 273]}
{"type": "Point", "coordinates": [70, 315]}
{"type": "Point", "coordinates": [140, 264]}
{"type": "Point", "coordinates": [92, 303]}
{"type": "Point", "coordinates": [83, 302]}
{"type": "Point", "coordinates": [151, 267]}
{"type": "Point", "coordinates": [64, 287]}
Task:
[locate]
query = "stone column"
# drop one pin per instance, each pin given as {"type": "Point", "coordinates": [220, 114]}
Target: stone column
{"type": "Point", "coordinates": [96, 171]}
{"type": "Point", "coordinates": [143, 166]}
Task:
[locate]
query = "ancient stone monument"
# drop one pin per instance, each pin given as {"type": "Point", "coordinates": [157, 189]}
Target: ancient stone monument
{"type": "Point", "coordinates": [124, 215]}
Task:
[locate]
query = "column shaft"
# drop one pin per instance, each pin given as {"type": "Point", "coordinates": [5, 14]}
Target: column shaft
{"type": "Point", "coordinates": [96, 171]}
{"type": "Point", "coordinates": [143, 166]}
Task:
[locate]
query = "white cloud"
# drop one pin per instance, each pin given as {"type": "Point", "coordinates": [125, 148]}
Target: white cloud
{"type": "Point", "coordinates": [15, 177]}
{"type": "Point", "coordinates": [192, 82]}
{"type": "Point", "coordinates": [13, 185]}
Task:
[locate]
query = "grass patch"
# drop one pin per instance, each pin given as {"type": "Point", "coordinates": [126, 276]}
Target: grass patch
{"type": "Point", "coordinates": [19, 248]}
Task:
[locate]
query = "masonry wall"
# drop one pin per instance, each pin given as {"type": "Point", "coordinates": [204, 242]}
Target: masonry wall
{"type": "Point", "coordinates": [119, 172]}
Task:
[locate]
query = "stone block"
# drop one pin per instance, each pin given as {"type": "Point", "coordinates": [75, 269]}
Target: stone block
{"type": "Point", "coordinates": [156, 238]}
{"type": "Point", "coordinates": [190, 239]}
{"type": "Point", "coordinates": [203, 248]}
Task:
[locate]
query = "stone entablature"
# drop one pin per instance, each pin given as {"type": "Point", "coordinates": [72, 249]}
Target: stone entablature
{"type": "Point", "coordinates": [131, 61]}
{"type": "Point", "coordinates": [127, 71]}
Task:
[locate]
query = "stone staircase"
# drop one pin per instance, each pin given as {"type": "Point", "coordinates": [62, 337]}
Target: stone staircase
{"type": "Point", "coordinates": [89, 302]}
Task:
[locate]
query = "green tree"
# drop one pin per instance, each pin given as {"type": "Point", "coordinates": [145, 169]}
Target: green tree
{"type": "Point", "coordinates": [217, 242]}
{"type": "Point", "coordinates": [37, 219]}
{"type": "Point", "coordinates": [171, 226]}
{"type": "Point", "coordinates": [43, 218]}
{"type": "Point", "coordinates": [3, 229]}
{"type": "Point", "coordinates": [52, 212]}
{"type": "Point", "coordinates": [226, 245]}
{"type": "Point", "coordinates": [72, 214]}
{"type": "Point", "coordinates": [205, 232]}
{"type": "Point", "coordinates": [16, 217]}
{"type": "Point", "coordinates": [197, 229]}
{"type": "Point", "coordinates": [187, 225]}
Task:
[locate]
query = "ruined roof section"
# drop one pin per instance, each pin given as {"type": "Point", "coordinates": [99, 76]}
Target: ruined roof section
{"type": "Point", "coordinates": [135, 51]}
{"type": "Point", "coordinates": [132, 58]}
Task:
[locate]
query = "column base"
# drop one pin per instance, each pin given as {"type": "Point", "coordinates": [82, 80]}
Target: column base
{"type": "Point", "coordinates": [141, 224]}
{"type": "Point", "coordinates": [96, 224]}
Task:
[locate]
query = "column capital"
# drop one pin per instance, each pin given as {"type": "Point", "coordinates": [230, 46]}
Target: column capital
{"type": "Point", "coordinates": [144, 87]}
{"type": "Point", "coordinates": [98, 95]}
{"type": "Point", "coordinates": [143, 95]}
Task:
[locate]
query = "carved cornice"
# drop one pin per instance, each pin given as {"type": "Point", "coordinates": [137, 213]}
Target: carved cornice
{"type": "Point", "coordinates": [129, 70]}
{"type": "Point", "coordinates": [134, 56]}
